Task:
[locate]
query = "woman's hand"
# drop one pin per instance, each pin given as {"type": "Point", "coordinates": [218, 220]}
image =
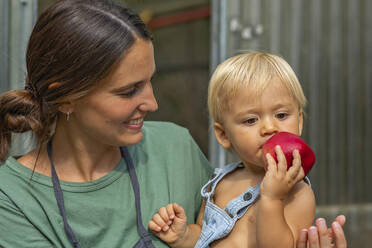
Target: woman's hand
{"type": "Point", "coordinates": [320, 237]}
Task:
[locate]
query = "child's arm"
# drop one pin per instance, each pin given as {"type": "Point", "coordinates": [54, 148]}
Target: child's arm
{"type": "Point", "coordinates": [170, 225]}
{"type": "Point", "coordinates": [285, 206]}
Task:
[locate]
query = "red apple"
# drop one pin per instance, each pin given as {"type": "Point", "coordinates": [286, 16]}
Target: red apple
{"type": "Point", "coordinates": [288, 142]}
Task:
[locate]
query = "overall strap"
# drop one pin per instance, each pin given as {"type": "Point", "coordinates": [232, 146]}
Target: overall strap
{"type": "Point", "coordinates": [133, 178]}
{"type": "Point", "coordinates": [59, 197]}
{"type": "Point", "coordinates": [207, 191]}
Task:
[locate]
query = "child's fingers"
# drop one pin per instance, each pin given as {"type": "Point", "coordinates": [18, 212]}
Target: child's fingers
{"type": "Point", "coordinates": [271, 163]}
{"type": "Point", "coordinates": [296, 172]}
{"type": "Point", "coordinates": [179, 211]}
{"type": "Point", "coordinates": [153, 226]}
{"type": "Point", "coordinates": [296, 159]}
{"type": "Point", "coordinates": [160, 222]}
{"type": "Point", "coordinates": [282, 162]}
{"type": "Point", "coordinates": [170, 211]}
{"type": "Point", "coordinates": [164, 215]}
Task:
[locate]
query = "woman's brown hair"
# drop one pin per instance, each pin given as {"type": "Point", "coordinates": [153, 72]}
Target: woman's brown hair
{"type": "Point", "coordinates": [75, 43]}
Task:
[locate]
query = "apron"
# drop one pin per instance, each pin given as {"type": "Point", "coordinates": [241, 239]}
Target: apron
{"type": "Point", "coordinates": [145, 238]}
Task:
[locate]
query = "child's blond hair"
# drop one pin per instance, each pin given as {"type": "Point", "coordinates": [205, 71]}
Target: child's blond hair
{"type": "Point", "coordinates": [253, 71]}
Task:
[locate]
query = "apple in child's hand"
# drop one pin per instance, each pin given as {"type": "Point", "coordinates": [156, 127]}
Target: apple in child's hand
{"type": "Point", "coordinates": [289, 142]}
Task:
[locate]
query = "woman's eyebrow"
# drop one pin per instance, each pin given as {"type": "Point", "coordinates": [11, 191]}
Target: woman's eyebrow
{"type": "Point", "coordinates": [125, 87]}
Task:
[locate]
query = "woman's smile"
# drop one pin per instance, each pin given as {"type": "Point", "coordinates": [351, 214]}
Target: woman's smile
{"type": "Point", "coordinates": [134, 124]}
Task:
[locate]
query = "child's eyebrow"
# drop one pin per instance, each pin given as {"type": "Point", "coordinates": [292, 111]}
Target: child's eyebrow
{"type": "Point", "coordinates": [281, 105]}
{"type": "Point", "coordinates": [247, 111]}
{"type": "Point", "coordinates": [254, 110]}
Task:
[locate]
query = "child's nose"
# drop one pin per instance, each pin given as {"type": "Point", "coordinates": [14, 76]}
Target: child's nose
{"type": "Point", "coordinates": [268, 127]}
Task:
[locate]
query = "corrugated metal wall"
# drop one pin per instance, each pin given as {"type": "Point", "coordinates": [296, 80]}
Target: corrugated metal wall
{"type": "Point", "coordinates": [4, 48]}
{"type": "Point", "coordinates": [329, 45]}
{"type": "Point", "coordinates": [16, 21]}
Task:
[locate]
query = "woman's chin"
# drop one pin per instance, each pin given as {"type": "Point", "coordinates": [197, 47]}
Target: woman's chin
{"type": "Point", "coordinates": [131, 139]}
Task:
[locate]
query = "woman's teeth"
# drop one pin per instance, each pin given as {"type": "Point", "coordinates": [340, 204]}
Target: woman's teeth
{"type": "Point", "coordinates": [135, 122]}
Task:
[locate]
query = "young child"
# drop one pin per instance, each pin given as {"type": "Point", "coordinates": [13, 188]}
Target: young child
{"type": "Point", "coordinates": [255, 202]}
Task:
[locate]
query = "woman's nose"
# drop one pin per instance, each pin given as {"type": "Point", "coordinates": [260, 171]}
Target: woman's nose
{"type": "Point", "coordinates": [268, 127]}
{"type": "Point", "coordinates": [149, 101]}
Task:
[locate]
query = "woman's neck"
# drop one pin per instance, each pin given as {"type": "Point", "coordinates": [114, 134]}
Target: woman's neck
{"type": "Point", "coordinates": [79, 158]}
{"type": "Point", "coordinates": [76, 158]}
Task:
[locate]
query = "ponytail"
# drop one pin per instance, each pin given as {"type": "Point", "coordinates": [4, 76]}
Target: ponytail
{"type": "Point", "coordinates": [20, 111]}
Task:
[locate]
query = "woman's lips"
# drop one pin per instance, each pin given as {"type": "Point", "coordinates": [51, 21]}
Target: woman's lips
{"type": "Point", "coordinates": [134, 124]}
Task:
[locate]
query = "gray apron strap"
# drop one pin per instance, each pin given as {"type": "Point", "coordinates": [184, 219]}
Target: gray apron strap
{"type": "Point", "coordinates": [145, 240]}
{"type": "Point", "coordinates": [59, 197]}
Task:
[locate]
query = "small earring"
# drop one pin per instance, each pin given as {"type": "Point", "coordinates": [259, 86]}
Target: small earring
{"type": "Point", "coordinates": [68, 116]}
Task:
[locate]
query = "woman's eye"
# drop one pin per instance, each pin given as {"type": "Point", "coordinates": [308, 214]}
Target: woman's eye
{"type": "Point", "coordinates": [281, 115]}
{"type": "Point", "coordinates": [129, 93]}
{"type": "Point", "coordinates": [133, 90]}
{"type": "Point", "coordinates": [251, 121]}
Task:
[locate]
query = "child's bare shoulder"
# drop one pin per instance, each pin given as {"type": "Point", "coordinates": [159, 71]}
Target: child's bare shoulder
{"type": "Point", "coordinates": [231, 186]}
{"type": "Point", "coordinates": [301, 199]}
{"type": "Point", "coordinates": [301, 192]}
{"type": "Point", "coordinates": [299, 207]}
{"type": "Point", "coordinates": [238, 180]}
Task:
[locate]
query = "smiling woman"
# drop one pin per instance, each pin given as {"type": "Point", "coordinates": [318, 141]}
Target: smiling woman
{"type": "Point", "coordinates": [87, 92]}
{"type": "Point", "coordinates": [113, 113]}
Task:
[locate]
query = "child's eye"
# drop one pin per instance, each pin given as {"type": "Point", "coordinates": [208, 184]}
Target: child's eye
{"type": "Point", "coordinates": [281, 116]}
{"type": "Point", "coordinates": [251, 121]}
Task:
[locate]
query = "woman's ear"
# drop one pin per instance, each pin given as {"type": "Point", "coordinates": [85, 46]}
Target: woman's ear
{"type": "Point", "coordinates": [221, 135]}
{"type": "Point", "coordinates": [66, 108]}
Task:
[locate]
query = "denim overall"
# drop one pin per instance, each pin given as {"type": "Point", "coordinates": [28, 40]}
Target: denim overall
{"type": "Point", "coordinates": [217, 222]}
{"type": "Point", "coordinates": [145, 239]}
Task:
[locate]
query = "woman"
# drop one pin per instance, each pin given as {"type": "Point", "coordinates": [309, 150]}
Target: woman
{"type": "Point", "coordinates": [99, 172]}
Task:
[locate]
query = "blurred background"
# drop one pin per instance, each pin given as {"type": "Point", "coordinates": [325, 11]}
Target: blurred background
{"type": "Point", "coordinates": [327, 43]}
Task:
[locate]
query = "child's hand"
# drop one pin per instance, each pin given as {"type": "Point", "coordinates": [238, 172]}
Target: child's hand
{"type": "Point", "coordinates": [278, 181]}
{"type": "Point", "coordinates": [169, 224]}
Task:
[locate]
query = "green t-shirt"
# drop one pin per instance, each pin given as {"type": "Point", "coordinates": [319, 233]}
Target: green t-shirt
{"type": "Point", "coordinates": [170, 168]}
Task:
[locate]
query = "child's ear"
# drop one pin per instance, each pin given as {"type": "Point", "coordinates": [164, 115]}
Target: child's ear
{"type": "Point", "coordinates": [300, 122]}
{"type": "Point", "coordinates": [221, 135]}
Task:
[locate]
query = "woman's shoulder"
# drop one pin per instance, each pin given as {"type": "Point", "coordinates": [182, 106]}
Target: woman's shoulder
{"type": "Point", "coordinates": [165, 132]}
{"type": "Point", "coordinates": [4, 166]}
{"type": "Point", "coordinates": [166, 139]}
{"type": "Point", "coordinates": [8, 178]}
{"type": "Point", "coordinates": [6, 171]}
{"type": "Point", "coordinates": [13, 173]}
{"type": "Point", "coordinates": [163, 127]}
